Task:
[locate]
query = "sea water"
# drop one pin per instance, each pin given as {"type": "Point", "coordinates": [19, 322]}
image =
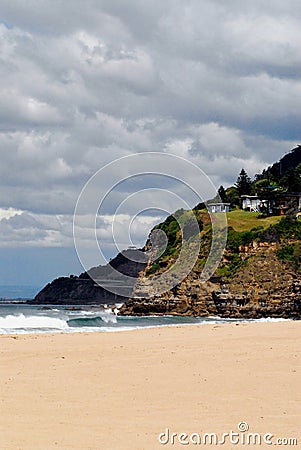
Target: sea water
{"type": "Point", "coordinates": [23, 319]}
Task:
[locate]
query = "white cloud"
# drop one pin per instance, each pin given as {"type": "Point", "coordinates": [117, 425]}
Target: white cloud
{"type": "Point", "coordinates": [9, 212]}
{"type": "Point", "coordinates": [215, 82]}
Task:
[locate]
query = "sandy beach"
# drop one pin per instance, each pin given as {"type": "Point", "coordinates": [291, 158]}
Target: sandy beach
{"type": "Point", "coordinates": [115, 391]}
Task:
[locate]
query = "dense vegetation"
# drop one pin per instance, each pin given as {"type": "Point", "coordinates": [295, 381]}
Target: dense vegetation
{"type": "Point", "coordinates": [182, 225]}
{"type": "Point", "coordinates": [243, 228]}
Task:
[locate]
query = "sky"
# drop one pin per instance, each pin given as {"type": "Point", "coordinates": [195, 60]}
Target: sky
{"type": "Point", "coordinates": [85, 83]}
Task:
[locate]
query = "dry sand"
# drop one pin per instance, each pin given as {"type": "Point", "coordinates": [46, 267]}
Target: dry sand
{"type": "Point", "coordinates": [116, 391]}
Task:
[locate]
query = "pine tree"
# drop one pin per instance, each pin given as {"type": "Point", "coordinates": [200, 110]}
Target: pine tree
{"type": "Point", "coordinates": [243, 183]}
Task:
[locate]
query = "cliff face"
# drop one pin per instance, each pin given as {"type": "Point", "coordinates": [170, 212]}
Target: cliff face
{"type": "Point", "coordinates": [259, 275]}
{"type": "Point", "coordinates": [263, 286]}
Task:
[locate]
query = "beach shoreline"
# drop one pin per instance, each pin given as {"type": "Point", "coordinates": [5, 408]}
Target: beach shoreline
{"type": "Point", "coordinates": [122, 390]}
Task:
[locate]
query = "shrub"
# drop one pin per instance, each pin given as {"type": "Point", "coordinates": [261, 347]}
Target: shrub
{"type": "Point", "coordinates": [286, 253]}
{"type": "Point", "coordinates": [153, 269]}
{"type": "Point", "coordinates": [291, 254]}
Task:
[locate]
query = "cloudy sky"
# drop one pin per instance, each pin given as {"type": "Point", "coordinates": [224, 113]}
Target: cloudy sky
{"type": "Point", "coordinates": [84, 83]}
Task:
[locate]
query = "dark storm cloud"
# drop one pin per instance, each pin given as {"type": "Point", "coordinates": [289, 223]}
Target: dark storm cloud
{"type": "Point", "coordinates": [84, 83]}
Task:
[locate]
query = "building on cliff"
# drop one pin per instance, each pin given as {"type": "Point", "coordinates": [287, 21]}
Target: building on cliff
{"type": "Point", "coordinates": [279, 205]}
{"type": "Point", "coordinates": [253, 203]}
{"type": "Point", "coordinates": [218, 207]}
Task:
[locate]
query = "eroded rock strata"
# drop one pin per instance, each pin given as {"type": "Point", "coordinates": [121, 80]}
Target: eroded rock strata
{"type": "Point", "coordinates": [262, 287]}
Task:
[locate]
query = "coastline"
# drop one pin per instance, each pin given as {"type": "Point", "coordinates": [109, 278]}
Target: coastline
{"type": "Point", "coordinates": [121, 390]}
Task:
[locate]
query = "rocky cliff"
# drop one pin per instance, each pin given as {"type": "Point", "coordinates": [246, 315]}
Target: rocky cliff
{"type": "Point", "coordinates": [259, 276]}
{"type": "Point", "coordinates": [263, 286]}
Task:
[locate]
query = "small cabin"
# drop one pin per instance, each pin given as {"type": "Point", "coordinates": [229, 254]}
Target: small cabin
{"type": "Point", "coordinates": [252, 203]}
{"type": "Point", "coordinates": [218, 207]}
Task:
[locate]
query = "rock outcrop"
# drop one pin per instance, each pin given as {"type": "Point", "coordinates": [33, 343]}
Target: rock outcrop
{"type": "Point", "coordinates": [262, 287]}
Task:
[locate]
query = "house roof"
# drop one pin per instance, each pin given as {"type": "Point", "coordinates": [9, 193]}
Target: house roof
{"type": "Point", "coordinates": [254, 197]}
{"type": "Point", "coordinates": [219, 203]}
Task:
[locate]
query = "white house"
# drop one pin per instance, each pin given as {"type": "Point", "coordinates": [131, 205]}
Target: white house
{"type": "Point", "coordinates": [218, 207]}
{"type": "Point", "coordinates": [253, 203]}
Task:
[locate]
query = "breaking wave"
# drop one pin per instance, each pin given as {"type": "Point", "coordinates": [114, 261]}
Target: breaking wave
{"type": "Point", "coordinates": [107, 317]}
{"type": "Point", "coordinates": [16, 319]}
{"type": "Point", "coordinates": [20, 321]}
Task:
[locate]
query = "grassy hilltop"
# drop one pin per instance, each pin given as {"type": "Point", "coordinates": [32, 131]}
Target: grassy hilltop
{"type": "Point", "coordinates": [244, 229]}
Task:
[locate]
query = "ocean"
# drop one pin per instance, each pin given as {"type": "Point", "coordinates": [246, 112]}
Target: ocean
{"type": "Point", "coordinates": [24, 319]}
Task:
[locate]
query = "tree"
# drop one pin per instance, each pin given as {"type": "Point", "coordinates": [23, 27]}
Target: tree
{"type": "Point", "coordinates": [222, 193]}
{"type": "Point", "coordinates": [267, 192]}
{"type": "Point", "coordinates": [292, 180]}
{"type": "Point", "coordinates": [243, 183]}
{"type": "Point", "coordinates": [232, 196]}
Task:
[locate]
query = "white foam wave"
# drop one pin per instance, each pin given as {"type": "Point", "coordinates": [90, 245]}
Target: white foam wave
{"type": "Point", "coordinates": [108, 316]}
{"type": "Point", "coordinates": [31, 322]}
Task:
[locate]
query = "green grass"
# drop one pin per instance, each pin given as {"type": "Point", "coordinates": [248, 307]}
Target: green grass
{"type": "Point", "coordinates": [245, 221]}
